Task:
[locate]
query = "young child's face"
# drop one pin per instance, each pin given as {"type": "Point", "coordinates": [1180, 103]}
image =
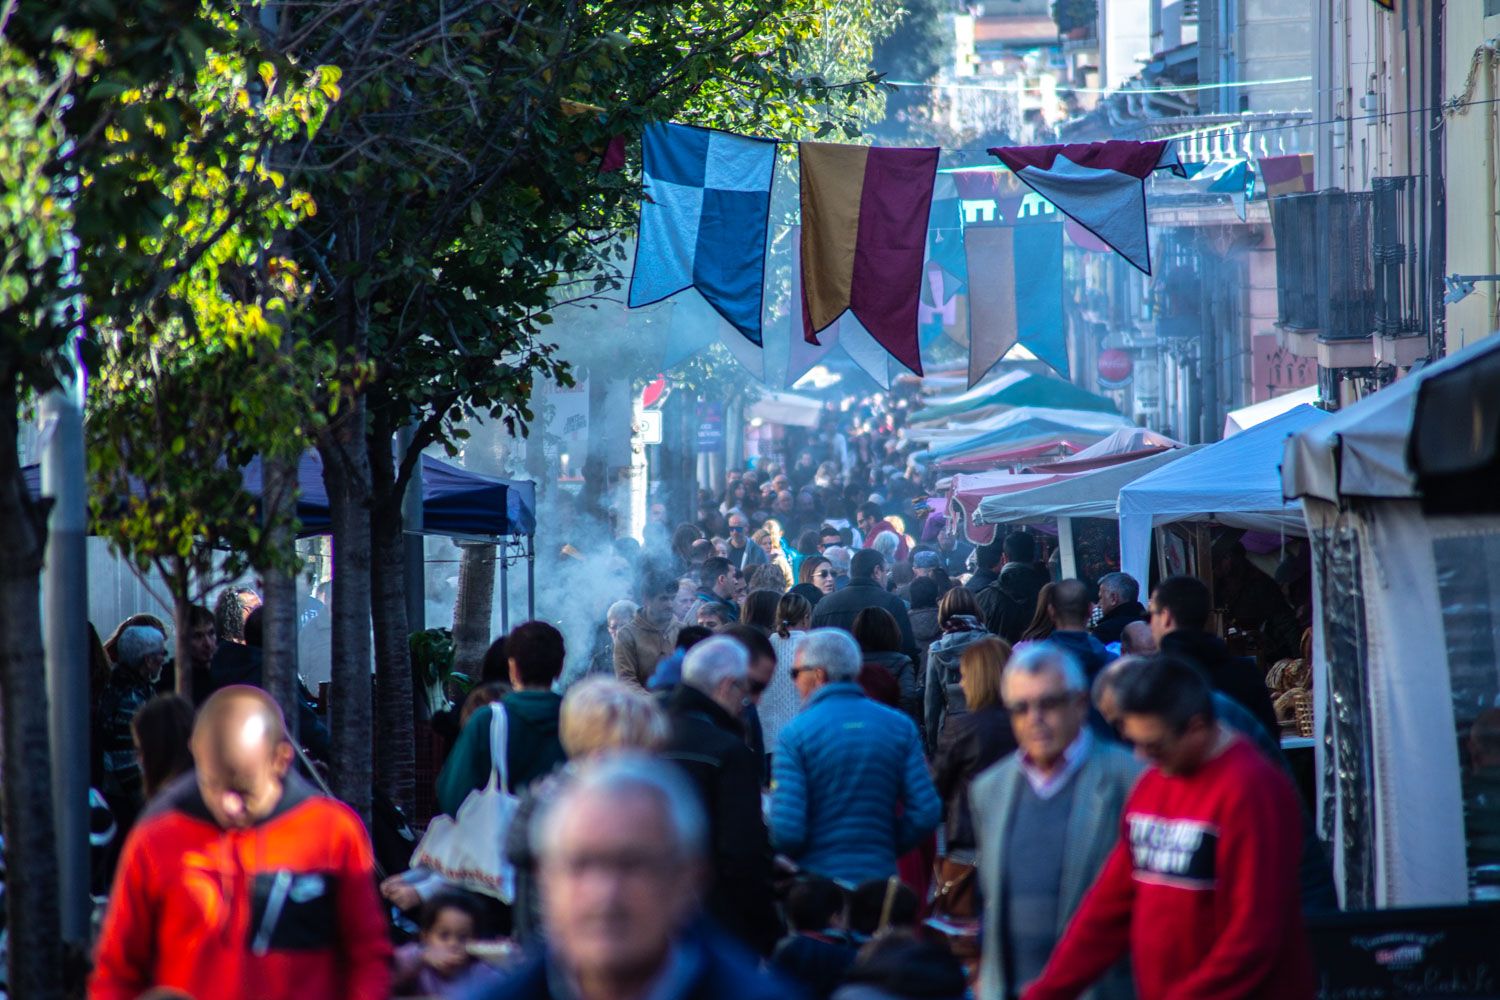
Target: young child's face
{"type": "Point", "coordinates": [449, 936]}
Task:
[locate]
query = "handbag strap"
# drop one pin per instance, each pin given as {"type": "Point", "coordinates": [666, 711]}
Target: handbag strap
{"type": "Point", "coordinates": [500, 744]}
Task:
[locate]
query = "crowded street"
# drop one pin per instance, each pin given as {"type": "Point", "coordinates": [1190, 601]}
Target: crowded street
{"type": "Point", "coordinates": [767, 500]}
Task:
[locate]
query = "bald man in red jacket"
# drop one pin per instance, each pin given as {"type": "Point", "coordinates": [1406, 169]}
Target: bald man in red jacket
{"type": "Point", "coordinates": [241, 881]}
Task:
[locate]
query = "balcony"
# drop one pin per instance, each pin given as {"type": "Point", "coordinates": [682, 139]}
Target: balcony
{"type": "Point", "coordinates": [1348, 269]}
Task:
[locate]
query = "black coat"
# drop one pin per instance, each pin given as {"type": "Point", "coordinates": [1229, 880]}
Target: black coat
{"type": "Point", "coordinates": [840, 608]}
{"type": "Point", "coordinates": [1009, 603]}
{"type": "Point", "coordinates": [1236, 676]}
{"type": "Point", "coordinates": [969, 743]}
{"type": "Point", "coordinates": [1112, 625]}
{"type": "Point", "coordinates": [709, 745]}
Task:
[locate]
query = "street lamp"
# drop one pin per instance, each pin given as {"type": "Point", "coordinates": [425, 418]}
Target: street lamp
{"type": "Point", "coordinates": [1458, 286]}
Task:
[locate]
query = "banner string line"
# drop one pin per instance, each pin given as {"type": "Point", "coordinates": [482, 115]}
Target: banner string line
{"type": "Point", "coordinates": [1111, 91]}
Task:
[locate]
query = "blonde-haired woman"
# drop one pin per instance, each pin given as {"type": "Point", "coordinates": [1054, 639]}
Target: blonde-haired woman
{"type": "Point", "coordinates": [600, 716]}
{"type": "Point", "coordinates": [780, 701]}
{"type": "Point", "coordinates": [970, 742]}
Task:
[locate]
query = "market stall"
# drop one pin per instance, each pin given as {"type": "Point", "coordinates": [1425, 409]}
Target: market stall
{"type": "Point", "coordinates": [1235, 482]}
{"type": "Point", "coordinates": [1090, 494]}
{"type": "Point", "coordinates": [1400, 496]}
{"type": "Point", "coordinates": [1022, 426]}
{"type": "Point", "coordinates": [1013, 389]}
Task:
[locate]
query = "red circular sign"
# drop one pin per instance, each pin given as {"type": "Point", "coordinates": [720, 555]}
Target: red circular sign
{"type": "Point", "coordinates": [1115, 367]}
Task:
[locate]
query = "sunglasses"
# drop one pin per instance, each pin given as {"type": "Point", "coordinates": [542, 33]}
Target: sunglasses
{"type": "Point", "coordinates": [1046, 704]}
{"type": "Point", "coordinates": [757, 687]}
{"type": "Point", "coordinates": [823, 572]}
{"type": "Point", "coordinates": [738, 529]}
{"type": "Point", "coordinates": [799, 671]}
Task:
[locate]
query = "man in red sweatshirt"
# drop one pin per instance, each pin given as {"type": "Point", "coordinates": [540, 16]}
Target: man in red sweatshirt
{"type": "Point", "coordinates": [1202, 888]}
{"type": "Point", "coordinates": [240, 882]}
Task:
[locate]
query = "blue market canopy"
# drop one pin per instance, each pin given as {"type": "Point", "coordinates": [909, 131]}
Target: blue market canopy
{"type": "Point", "coordinates": [455, 502]}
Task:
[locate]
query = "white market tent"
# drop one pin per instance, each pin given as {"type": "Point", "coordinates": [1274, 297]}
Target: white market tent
{"type": "Point", "coordinates": [786, 408]}
{"type": "Point", "coordinates": [1258, 413]}
{"type": "Point", "coordinates": [1235, 482]}
{"type": "Point", "coordinates": [1084, 494]}
{"type": "Point", "coordinates": [956, 433]}
{"type": "Point", "coordinates": [1406, 643]}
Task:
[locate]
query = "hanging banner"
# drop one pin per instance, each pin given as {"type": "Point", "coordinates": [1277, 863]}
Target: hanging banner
{"type": "Point", "coordinates": [864, 233]}
{"type": "Point", "coordinates": [1101, 185]}
{"type": "Point", "coordinates": [705, 210]}
{"type": "Point", "coordinates": [710, 428]}
{"type": "Point", "coordinates": [1016, 294]}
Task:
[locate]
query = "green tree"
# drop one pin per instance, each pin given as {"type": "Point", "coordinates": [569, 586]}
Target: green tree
{"type": "Point", "coordinates": [460, 202]}
{"type": "Point", "coordinates": [96, 109]}
{"type": "Point", "coordinates": [194, 386]}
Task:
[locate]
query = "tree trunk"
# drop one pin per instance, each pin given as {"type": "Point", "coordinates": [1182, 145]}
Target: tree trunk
{"type": "Point", "coordinates": [31, 890]}
{"type": "Point", "coordinates": [279, 621]}
{"type": "Point", "coordinates": [396, 750]}
{"type": "Point", "coordinates": [346, 473]}
{"type": "Point", "coordinates": [473, 612]}
{"type": "Point", "coordinates": [182, 643]}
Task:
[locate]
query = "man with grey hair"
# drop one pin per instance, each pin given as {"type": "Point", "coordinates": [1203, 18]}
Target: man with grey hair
{"type": "Point", "coordinates": [1045, 819]}
{"type": "Point", "coordinates": [708, 743]}
{"type": "Point", "coordinates": [622, 852]}
{"type": "Point", "coordinates": [1120, 601]}
{"type": "Point", "coordinates": [140, 653]}
{"type": "Point", "coordinates": [852, 789]}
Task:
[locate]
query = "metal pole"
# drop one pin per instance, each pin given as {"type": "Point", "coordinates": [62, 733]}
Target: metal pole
{"type": "Point", "coordinates": [1067, 553]}
{"type": "Point", "coordinates": [504, 549]}
{"type": "Point", "coordinates": [65, 616]}
{"type": "Point", "coordinates": [531, 577]}
{"type": "Point", "coordinates": [413, 545]}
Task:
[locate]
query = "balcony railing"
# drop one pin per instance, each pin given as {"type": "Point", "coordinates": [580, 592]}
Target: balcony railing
{"type": "Point", "coordinates": [1324, 263]}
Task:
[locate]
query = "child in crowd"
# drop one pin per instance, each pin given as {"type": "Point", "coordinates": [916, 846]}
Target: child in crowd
{"type": "Point", "coordinates": [818, 951]}
{"type": "Point", "coordinates": [438, 963]}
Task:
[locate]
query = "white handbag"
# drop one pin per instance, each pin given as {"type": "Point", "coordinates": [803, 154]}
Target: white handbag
{"type": "Point", "coordinates": [469, 849]}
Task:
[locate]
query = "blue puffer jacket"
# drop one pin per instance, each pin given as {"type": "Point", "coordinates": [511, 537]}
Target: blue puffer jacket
{"type": "Point", "coordinates": [844, 766]}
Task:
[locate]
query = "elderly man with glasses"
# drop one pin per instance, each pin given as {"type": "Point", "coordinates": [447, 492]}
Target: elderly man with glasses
{"type": "Point", "coordinates": [1045, 820]}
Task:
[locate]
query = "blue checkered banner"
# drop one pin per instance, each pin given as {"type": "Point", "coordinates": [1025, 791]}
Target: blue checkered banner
{"type": "Point", "coordinates": [704, 215]}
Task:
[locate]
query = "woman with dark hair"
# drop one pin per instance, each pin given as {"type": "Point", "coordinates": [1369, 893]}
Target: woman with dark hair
{"type": "Point", "coordinates": [962, 625]}
{"type": "Point", "coordinates": [1041, 626]}
{"type": "Point", "coordinates": [879, 638]}
{"type": "Point", "coordinates": [162, 729]}
{"type": "Point", "coordinates": [759, 609]}
{"type": "Point", "coordinates": [682, 545]}
{"type": "Point", "coordinates": [817, 574]}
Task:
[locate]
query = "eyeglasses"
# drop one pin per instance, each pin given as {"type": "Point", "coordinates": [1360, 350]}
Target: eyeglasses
{"type": "Point", "coordinates": [1046, 704]}
{"type": "Point", "coordinates": [823, 572]}
{"type": "Point", "coordinates": [799, 671]}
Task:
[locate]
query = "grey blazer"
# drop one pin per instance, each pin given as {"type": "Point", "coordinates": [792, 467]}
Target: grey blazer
{"type": "Point", "coordinates": [1104, 780]}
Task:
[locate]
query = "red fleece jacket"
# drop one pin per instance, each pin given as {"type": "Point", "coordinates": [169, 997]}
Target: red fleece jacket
{"type": "Point", "coordinates": [1201, 888]}
{"type": "Point", "coordinates": [287, 908]}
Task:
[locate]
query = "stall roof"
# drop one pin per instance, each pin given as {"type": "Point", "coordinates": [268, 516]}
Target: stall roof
{"type": "Point", "coordinates": [1018, 389]}
{"type": "Point", "coordinates": [1123, 445]}
{"type": "Point", "coordinates": [455, 502]}
{"type": "Point", "coordinates": [786, 408]}
{"type": "Point", "coordinates": [1031, 425]}
{"type": "Point", "coordinates": [1012, 453]}
{"type": "Point", "coordinates": [1236, 481]}
{"type": "Point", "coordinates": [1361, 451]}
{"type": "Point", "coordinates": [1087, 494]}
{"type": "Point", "coordinates": [1258, 413]}
{"type": "Point", "coordinates": [967, 492]}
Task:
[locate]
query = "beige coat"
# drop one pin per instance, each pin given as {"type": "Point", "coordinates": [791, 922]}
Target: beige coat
{"type": "Point", "coordinates": [639, 646]}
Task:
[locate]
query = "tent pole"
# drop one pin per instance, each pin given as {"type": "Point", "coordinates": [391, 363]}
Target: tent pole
{"type": "Point", "coordinates": [531, 577]}
{"type": "Point", "coordinates": [1065, 547]}
{"type": "Point", "coordinates": [505, 587]}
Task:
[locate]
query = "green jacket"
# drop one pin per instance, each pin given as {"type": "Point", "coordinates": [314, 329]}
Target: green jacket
{"type": "Point", "coordinates": [532, 751]}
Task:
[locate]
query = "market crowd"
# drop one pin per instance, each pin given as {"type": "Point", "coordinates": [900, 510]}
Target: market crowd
{"type": "Point", "coordinates": [824, 747]}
